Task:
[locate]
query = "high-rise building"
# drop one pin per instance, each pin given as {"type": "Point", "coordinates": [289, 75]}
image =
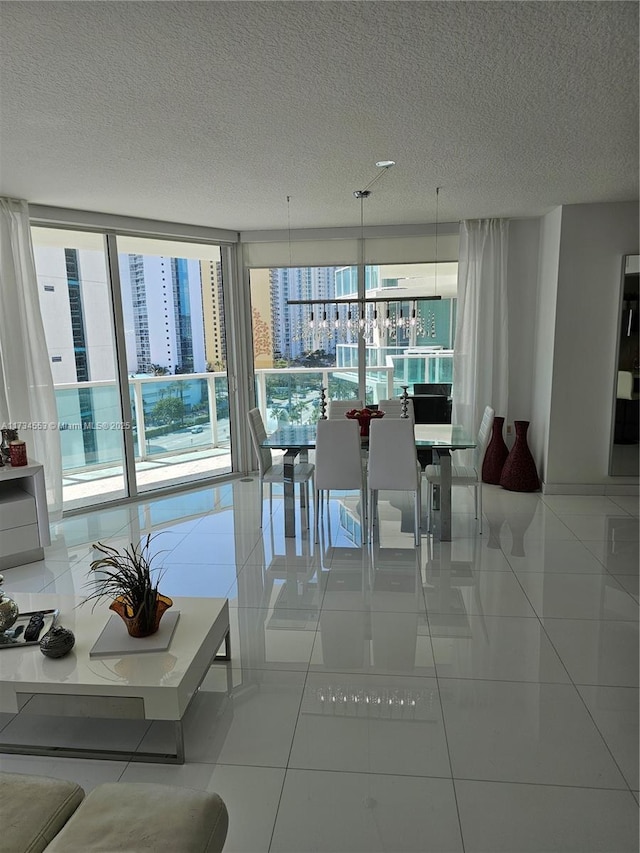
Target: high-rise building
{"type": "Point", "coordinates": [74, 302]}
{"type": "Point", "coordinates": [291, 332]}
{"type": "Point", "coordinates": [215, 345]}
{"type": "Point", "coordinates": [163, 313]}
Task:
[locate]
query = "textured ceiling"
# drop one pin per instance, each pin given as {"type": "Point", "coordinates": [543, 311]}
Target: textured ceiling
{"type": "Point", "coordinates": [212, 113]}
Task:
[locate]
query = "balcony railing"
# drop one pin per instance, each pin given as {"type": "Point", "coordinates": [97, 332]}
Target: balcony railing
{"type": "Point", "coordinates": [186, 413]}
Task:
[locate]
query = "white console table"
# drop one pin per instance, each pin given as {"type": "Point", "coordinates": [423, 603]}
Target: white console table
{"type": "Point", "coordinates": [24, 519]}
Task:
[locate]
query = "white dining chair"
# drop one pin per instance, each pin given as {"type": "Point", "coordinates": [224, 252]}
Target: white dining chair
{"type": "Point", "coordinates": [268, 472]}
{"type": "Point", "coordinates": [338, 466]}
{"type": "Point", "coordinates": [393, 465]}
{"type": "Point", "coordinates": [339, 408]}
{"type": "Point", "coordinates": [464, 475]}
{"type": "Point", "coordinates": [392, 408]}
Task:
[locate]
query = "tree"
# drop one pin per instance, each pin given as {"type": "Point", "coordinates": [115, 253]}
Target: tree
{"type": "Point", "coordinates": [158, 370]}
{"type": "Point", "coordinates": [168, 410]}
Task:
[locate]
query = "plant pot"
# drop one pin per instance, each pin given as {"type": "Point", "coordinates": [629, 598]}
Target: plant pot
{"type": "Point", "coordinates": [495, 455]}
{"type": "Point", "coordinates": [519, 473]}
{"type": "Point", "coordinates": [146, 621]}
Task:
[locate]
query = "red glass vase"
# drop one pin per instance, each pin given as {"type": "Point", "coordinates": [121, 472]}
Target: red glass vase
{"type": "Point", "coordinates": [495, 455]}
{"type": "Point", "coordinates": [519, 472]}
{"type": "Point", "coordinates": [145, 622]}
{"type": "Point", "coordinates": [364, 416]}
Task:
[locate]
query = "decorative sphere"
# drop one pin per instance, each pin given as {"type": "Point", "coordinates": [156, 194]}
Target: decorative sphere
{"type": "Point", "coordinates": [57, 642]}
{"type": "Point", "coordinates": [9, 611]}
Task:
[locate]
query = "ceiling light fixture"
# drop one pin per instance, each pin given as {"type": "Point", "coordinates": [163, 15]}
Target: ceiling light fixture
{"type": "Point", "coordinates": [384, 166]}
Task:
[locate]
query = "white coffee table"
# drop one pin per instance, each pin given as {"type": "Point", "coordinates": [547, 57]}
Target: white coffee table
{"type": "Point", "coordinates": [149, 685]}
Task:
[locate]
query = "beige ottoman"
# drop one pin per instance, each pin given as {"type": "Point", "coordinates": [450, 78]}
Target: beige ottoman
{"type": "Point", "coordinates": [33, 809]}
{"type": "Point", "coordinates": [138, 817]}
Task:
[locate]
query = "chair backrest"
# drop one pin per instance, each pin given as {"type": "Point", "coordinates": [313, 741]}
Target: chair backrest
{"type": "Point", "coordinates": [392, 455]}
{"type": "Point", "coordinates": [338, 464]}
{"type": "Point", "coordinates": [392, 408]}
{"type": "Point", "coordinates": [441, 389]}
{"type": "Point", "coordinates": [258, 434]}
{"type": "Point", "coordinates": [338, 408]}
{"type": "Point", "coordinates": [484, 434]}
{"type": "Point", "coordinates": [431, 409]}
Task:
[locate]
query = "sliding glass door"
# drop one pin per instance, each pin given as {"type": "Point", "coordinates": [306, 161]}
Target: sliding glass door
{"type": "Point", "coordinates": [75, 301]}
{"type": "Point", "coordinates": [168, 328]}
{"type": "Point", "coordinates": [173, 312]}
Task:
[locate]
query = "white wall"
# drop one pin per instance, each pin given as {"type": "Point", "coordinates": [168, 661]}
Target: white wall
{"type": "Point", "coordinates": [564, 278]}
{"type": "Point", "coordinates": [545, 329]}
{"type": "Point", "coordinates": [593, 239]}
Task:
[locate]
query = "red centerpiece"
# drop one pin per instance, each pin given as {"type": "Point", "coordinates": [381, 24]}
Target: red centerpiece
{"type": "Point", "coordinates": [364, 416]}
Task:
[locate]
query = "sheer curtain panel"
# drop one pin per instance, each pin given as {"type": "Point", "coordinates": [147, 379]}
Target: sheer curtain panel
{"type": "Point", "coordinates": [27, 396]}
{"type": "Point", "coordinates": [481, 358]}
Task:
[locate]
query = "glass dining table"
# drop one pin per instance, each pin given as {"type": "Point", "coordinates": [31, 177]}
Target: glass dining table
{"type": "Point", "coordinates": [298, 439]}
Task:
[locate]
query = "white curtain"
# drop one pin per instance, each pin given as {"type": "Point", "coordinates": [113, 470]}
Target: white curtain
{"type": "Point", "coordinates": [480, 359]}
{"type": "Point", "coordinates": [27, 397]}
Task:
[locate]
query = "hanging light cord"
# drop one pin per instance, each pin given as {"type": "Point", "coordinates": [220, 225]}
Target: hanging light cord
{"type": "Point", "coordinates": [377, 177]}
{"type": "Point", "coordinates": [437, 211]}
{"type": "Point", "coordinates": [289, 226]}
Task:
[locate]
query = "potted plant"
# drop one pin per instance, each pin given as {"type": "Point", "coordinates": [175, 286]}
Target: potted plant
{"type": "Point", "coordinates": [127, 577]}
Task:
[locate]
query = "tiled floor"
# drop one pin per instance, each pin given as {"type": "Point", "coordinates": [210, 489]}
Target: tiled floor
{"type": "Point", "coordinates": [479, 695]}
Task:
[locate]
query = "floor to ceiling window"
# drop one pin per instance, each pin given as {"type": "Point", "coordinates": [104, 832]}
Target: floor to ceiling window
{"type": "Point", "coordinates": [295, 346]}
{"type": "Point", "coordinates": [173, 313]}
{"type": "Point", "coordinates": [308, 327]}
{"type": "Point", "coordinates": [75, 300]}
{"type": "Point", "coordinates": [172, 331]}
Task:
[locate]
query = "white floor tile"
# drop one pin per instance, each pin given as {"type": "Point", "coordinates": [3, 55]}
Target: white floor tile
{"type": "Point", "coordinates": [615, 712]}
{"type": "Point", "coordinates": [370, 724]}
{"type": "Point", "coordinates": [209, 580]}
{"type": "Point", "coordinates": [337, 620]}
{"type": "Point", "coordinates": [630, 503]}
{"type": "Point", "coordinates": [494, 647]}
{"type": "Point", "coordinates": [535, 818]}
{"type": "Point", "coordinates": [596, 652]}
{"type": "Point", "coordinates": [582, 505]}
{"type": "Point", "coordinates": [564, 556]}
{"type": "Point", "coordinates": [33, 577]}
{"type": "Point", "coordinates": [274, 638]}
{"type": "Point", "coordinates": [207, 548]}
{"type": "Point", "coordinates": [373, 642]}
{"type": "Point", "coordinates": [253, 726]}
{"type": "Point", "coordinates": [473, 554]}
{"type": "Point", "coordinates": [75, 732]}
{"type": "Point", "coordinates": [605, 528]}
{"type": "Point", "coordinates": [481, 594]}
{"type": "Point", "coordinates": [619, 557]}
{"type": "Point", "coordinates": [519, 531]}
{"type": "Point", "coordinates": [514, 732]}
{"type": "Point", "coordinates": [286, 589]}
{"type": "Point", "coordinates": [85, 772]}
{"type": "Point", "coordinates": [365, 813]}
{"type": "Point", "coordinates": [631, 583]}
{"type": "Point", "coordinates": [576, 596]}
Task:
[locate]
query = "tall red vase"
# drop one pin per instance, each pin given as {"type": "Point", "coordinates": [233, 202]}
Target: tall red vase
{"type": "Point", "coordinates": [519, 473]}
{"type": "Point", "coordinates": [495, 454]}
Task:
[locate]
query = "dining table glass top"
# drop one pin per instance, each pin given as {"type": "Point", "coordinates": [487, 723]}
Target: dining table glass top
{"type": "Point", "coordinates": [303, 437]}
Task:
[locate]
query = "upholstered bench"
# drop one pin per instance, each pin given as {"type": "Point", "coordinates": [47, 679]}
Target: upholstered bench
{"type": "Point", "coordinates": [33, 809]}
{"type": "Point", "coordinates": [38, 813]}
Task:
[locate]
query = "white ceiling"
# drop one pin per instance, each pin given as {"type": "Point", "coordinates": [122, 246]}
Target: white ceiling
{"type": "Point", "coordinates": [212, 113]}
